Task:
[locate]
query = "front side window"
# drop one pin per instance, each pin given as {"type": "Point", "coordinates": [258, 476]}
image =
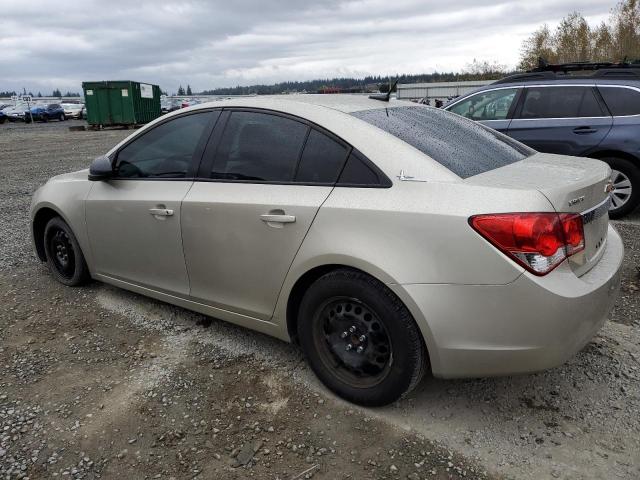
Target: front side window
{"type": "Point", "coordinates": [621, 101]}
{"type": "Point", "coordinates": [165, 151]}
{"type": "Point", "coordinates": [259, 147]}
{"type": "Point", "coordinates": [560, 102]}
{"type": "Point", "coordinates": [491, 105]}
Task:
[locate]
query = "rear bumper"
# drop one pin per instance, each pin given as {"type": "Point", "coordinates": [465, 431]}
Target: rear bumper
{"type": "Point", "coordinates": [528, 325]}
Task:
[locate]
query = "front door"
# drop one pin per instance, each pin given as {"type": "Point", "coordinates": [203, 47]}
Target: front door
{"type": "Point", "coordinates": [245, 220]}
{"type": "Point", "coordinates": [567, 120]}
{"type": "Point", "coordinates": [133, 220]}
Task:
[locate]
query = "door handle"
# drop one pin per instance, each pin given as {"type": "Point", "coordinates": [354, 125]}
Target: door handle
{"type": "Point", "coordinates": [271, 218]}
{"type": "Point", "coordinates": [583, 130]}
{"type": "Point", "coordinates": [161, 212]}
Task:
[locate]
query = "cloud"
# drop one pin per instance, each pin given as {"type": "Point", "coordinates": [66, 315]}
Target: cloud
{"type": "Point", "coordinates": [46, 45]}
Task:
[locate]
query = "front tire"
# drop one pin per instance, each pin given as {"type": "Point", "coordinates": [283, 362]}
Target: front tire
{"type": "Point", "coordinates": [359, 339]}
{"type": "Point", "coordinates": [64, 256]}
{"type": "Point", "coordinates": [626, 180]}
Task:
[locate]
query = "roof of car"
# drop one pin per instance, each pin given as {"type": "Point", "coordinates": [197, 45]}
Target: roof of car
{"type": "Point", "coordinates": [346, 103]}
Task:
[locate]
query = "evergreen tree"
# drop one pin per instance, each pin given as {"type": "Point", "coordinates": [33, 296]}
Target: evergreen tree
{"type": "Point", "coordinates": [189, 92]}
{"type": "Point", "coordinates": [180, 90]}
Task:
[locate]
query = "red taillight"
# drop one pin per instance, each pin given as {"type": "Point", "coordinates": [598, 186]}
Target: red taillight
{"type": "Point", "coordinates": [537, 241]}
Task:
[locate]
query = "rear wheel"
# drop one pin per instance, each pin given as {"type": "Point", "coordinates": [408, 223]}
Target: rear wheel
{"type": "Point", "coordinates": [625, 176]}
{"type": "Point", "coordinates": [62, 118]}
{"type": "Point", "coordinates": [359, 339]}
{"type": "Point", "coordinates": [64, 257]}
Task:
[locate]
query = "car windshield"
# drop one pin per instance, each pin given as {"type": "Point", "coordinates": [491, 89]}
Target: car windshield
{"type": "Point", "coordinates": [465, 147]}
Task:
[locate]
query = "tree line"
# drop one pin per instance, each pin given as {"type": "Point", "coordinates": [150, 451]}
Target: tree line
{"type": "Point", "coordinates": [55, 93]}
{"type": "Point", "coordinates": [367, 83]}
{"type": "Point", "coordinates": [615, 40]}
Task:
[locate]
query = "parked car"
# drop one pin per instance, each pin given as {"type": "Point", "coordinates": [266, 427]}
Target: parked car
{"type": "Point", "coordinates": [73, 110]}
{"type": "Point", "coordinates": [170, 104]}
{"type": "Point", "coordinates": [17, 112]}
{"type": "Point", "coordinates": [387, 239]}
{"type": "Point", "coordinates": [596, 115]}
{"type": "Point", "coordinates": [44, 113]}
{"type": "Point", "coordinates": [3, 115]}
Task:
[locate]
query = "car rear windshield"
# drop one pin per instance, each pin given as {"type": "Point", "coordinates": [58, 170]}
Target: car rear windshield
{"type": "Point", "coordinates": [463, 146]}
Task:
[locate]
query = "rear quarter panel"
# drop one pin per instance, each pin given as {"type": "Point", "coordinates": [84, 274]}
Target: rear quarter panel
{"type": "Point", "coordinates": [411, 233]}
{"type": "Point", "coordinates": [624, 136]}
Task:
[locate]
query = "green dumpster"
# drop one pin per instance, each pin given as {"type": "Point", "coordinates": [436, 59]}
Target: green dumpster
{"type": "Point", "coordinates": [121, 102]}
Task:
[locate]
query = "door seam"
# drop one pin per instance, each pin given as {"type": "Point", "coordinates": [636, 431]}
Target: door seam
{"type": "Point", "coordinates": [284, 279]}
{"type": "Point", "coordinates": [184, 256]}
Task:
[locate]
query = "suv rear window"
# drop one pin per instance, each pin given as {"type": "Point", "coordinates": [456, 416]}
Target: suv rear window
{"type": "Point", "coordinates": [465, 147]}
{"type": "Point", "coordinates": [621, 101]}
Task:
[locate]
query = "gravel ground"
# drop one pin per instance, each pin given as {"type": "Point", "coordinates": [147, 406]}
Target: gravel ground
{"type": "Point", "coordinates": [101, 383]}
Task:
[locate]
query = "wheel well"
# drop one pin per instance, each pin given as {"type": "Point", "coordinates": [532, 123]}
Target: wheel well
{"type": "Point", "coordinates": [301, 286]}
{"type": "Point", "coordinates": [613, 153]}
{"type": "Point", "coordinates": [39, 223]}
{"type": "Point", "coordinates": [297, 292]}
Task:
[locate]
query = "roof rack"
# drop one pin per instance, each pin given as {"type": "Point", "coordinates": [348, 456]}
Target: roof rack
{"type": "Point", "coordinates": [560, 71]}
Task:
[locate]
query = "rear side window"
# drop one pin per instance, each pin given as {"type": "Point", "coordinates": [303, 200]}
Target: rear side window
{"type": "Point", "coordinates": [358, 173]}
{"type": "Point", "coordinates": [621, 101]}
{"type": "Point", "coordinates": [322, 159]}
{"type": "Point", "coordinates": [560, 102]}
{"type": "Point", "coordinates": [165, 151]}
{"type": "Point", "coordinates": [259, 147]}
{"type": "Point", "coordinates": [465, 147]}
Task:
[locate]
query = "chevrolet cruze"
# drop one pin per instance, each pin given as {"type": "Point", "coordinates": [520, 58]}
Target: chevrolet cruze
{"type": "Point", "coordinates": [388, 239]}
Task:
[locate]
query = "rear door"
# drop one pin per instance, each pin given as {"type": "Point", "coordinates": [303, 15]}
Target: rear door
{"type": "Point", "coordinates": [562, 119]}
{"type": "Point", "coordinates": [262, 181]}
{"type": "Point", "coordinates": [493, 108]}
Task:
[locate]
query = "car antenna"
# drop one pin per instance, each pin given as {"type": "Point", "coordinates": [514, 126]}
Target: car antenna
{"type": "Point", "coordinates": [384, 97]}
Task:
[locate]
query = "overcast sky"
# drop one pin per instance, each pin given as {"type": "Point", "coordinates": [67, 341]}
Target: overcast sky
{"type": "Point", "coordinates": [48, 44]}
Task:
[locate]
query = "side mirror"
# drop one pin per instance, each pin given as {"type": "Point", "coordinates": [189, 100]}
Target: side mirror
{"type": "Point", "coordinates": [101, 169]}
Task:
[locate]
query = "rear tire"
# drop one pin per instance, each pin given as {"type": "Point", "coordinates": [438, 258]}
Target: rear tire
{"type": "Point", "coordinates": [64, 256]}
{"type": "Point", "coordinates": [359, 339]}
{"type": "Point", "coordinates": [62, 118]}
{"type": "Point", "coordinates": [626, 178]}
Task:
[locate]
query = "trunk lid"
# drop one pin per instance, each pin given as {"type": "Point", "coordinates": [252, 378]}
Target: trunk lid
{"type": "Point", "coordinates": [572, 185]}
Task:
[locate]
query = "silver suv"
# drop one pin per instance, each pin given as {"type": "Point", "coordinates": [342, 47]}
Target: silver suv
{"type": "Point", "coordinates": [595, 113]}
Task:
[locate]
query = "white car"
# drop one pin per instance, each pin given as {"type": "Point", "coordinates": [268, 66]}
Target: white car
{"type": "Point", "coordinates": [17, 112]}
{"type": "Point", "coordinates": [73, 110]}
{"type": "Point", "coordinates": [388, 239]}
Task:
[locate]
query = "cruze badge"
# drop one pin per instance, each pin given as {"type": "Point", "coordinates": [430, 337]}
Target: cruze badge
{"type": "Point", "coordinates": [574, 201]}
{"type": "Point", "coordinates": [609, 187]}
